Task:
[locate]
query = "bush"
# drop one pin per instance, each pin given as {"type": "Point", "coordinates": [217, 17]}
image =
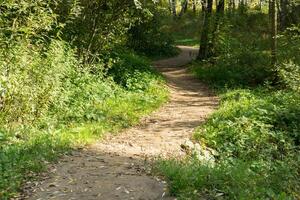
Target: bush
{"type": "Point", "coordinates": [132, 72]}
{"type": "Point", "coordinates": [32, 80]}
{"type": "Point", "coordinates": [51, 103]}
{"type": "Point", "coordinates": [243, 69]}
{"type": "Point", "coordinates": [288, 67]}
{"type": "Point", "coordinates": [254, 125]}
{"type": "Point", "coordinates": [256, 135]}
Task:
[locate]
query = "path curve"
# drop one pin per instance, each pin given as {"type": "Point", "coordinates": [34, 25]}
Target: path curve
{"type": "Point", "coordinates": [114, 169]}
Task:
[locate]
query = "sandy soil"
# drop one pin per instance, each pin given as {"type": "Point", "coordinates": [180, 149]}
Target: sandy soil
{"type": "Point", "coordinates": [116, 168]}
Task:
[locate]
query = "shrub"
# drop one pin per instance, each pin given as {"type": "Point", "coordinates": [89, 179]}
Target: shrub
{"type": "Point", "coordinates": [245, 68]}
{"type": "Point", "coordinates": [132, 72]}
{"type": "Point", "coordinates": [51, 104]}
{"type": "Point", "coordinates": [288, 66]}
{"type": "Point", "coordinates": [253, 125]}
{"type": "Point", "coordinates": [32, 80]}
{"type": "Point", "coordinates": [256, 135]}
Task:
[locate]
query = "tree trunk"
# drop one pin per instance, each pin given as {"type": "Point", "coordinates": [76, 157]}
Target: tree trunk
{"type": "Point", "coordinates": [174, 2]}
{"type": "Point", "coordinates": [203, 5]}
{"type": "Point", "coordinates": [194, 6]}
{"type": "Point", "coordinates": [230, 5]}
{"type": "Point", "coordinates": [204, 41]}
{"type": "Point", "coordinates": [233, 5]}
{"type": "Point", "coordinates": [184, 7]}
{"type": "Point", "coordinates": [260, 4]}
{"type": "Point", "coordinates": [273, 31]}
{"type": "Point", "coordinates": [219, 13]}
{"type": "Point", "coordinates": [170, 6]}
{"type": "Point", "coordinates": [283, 14]}
{"type": "Point", "coordinates": [295, 14]}
{"type": "Point", "coordinates": [242, 6]}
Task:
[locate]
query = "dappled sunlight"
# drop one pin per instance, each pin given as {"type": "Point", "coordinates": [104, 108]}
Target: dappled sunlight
{"type": "Point", "coordinates": [113, 168]}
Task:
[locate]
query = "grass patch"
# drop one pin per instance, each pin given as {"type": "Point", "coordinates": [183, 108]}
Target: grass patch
{"type": "Point", "coordinates": [21, 159]}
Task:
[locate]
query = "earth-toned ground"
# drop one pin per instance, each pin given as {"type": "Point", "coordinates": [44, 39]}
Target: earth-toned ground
{"type": "Point", "coordinates": [116, 168]}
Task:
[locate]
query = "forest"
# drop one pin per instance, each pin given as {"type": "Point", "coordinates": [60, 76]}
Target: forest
{"type": "Point", "coordinates": [76, 72]}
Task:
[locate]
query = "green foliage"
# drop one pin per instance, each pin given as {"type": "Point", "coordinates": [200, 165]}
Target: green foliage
{"type": "Point", "coordinates": [72, 107]}
{"type": "Point", "coordinates": [243, 68]}
{"type": "Point", "coordinates": [254, 125]}
{"type": "Point", "coordinates": [25, 19]}
{"type": "Point", "coordinates": [62, 83]}
{"type": "Point", "coordinates": [132, 72]}
{"type": "Point", "coordinates": [288, 67]}
{"type": "Point", "coordinates": [32, 80]}
{"type": "Point", "coordinates": [95, 27]}
{"type": "Point", "coordinates": [289, 74]}
{"type": "Point", "coordinates": [256, 135]}
{"type": "Point", "coordinates": [256, 129]}
{"type": "Point", "coordinates": [191, 179]}
{"type": "Point", "coordinates": [147, 36]}
{"type": "Point", "coordinates": [185, 30]}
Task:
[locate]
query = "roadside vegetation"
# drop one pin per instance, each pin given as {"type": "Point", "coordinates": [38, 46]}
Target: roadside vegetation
{"type": "Point", "coordinates": [72, 71]}
{"type": "Point", "coordinates": [67, 78]}
{"type": "Point", "coordinates": [254, 135]}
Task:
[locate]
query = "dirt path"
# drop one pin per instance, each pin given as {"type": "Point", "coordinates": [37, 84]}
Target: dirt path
{"type": "Point", "coordinates": [115, 169]}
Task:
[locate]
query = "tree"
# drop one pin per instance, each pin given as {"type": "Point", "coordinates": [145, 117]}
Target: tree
{"type": "Point", "coordinates": [219, 13]}
{"type": "Point", "coordinates": [204, 41]}
{"type": "Point", "coordinates": [273, 31]}
{"type": "Point", "coordinates": [283, 14]}
{"type": "Point", "coordinates": [184, 6]}
{"type": "Point", "coordinates": [203, 5]}
{"type": "Point", "coordinates": [194, 6]}
{"type": "Point", "coordinates": [173, 5]}
{"type": "Point", "coordinates": [231, 5]}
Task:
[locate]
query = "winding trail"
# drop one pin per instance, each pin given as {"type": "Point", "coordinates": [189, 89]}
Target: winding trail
{"type": "Point", "coordinates": [115, 169]}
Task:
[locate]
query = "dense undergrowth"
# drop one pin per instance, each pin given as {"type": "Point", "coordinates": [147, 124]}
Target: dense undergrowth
{"type": "Point", "coordinates": [256, 129]}
{"type": "Point", "coordinates": [48, 114]}
{"type": "Point", "coordinates": [68, 75]}
{"type": "Point", "coordinates": [256, 135]}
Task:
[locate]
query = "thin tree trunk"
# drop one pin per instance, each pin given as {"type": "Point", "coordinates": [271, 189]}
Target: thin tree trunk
{"type": "Point", "coordinates": [283, 14]}
{"type": "Point", "coordinates": [260, 4]}
{"type": "Point", "coordinates": [194, 6]}
{"type": "Point", "coordinates": [203, 5]}
{"type": "Point", "coordinates": [242, 6]}
{"type": "Point", "coordinates": [174, 2]}
{"type": "Point", "coordinates": [204, 41]}
{"type": "Point", "coordinates": [184, 7]}
{"type": "Point", "coordinates": [219, 13]}
{"type": "Point", "coordinates": [230, 3]}
{"type": "Point", "coordinates": [233, 5]}
{"type": "Point", "coordinates": [170, 6]}
{"type": "Point", "coordinates": [295, 14]}
{"type": "Point", "coordinates": [273, 33]}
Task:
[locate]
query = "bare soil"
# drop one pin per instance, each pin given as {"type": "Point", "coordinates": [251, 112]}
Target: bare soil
{"type": "Point", "coordinates": [116, 168]}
